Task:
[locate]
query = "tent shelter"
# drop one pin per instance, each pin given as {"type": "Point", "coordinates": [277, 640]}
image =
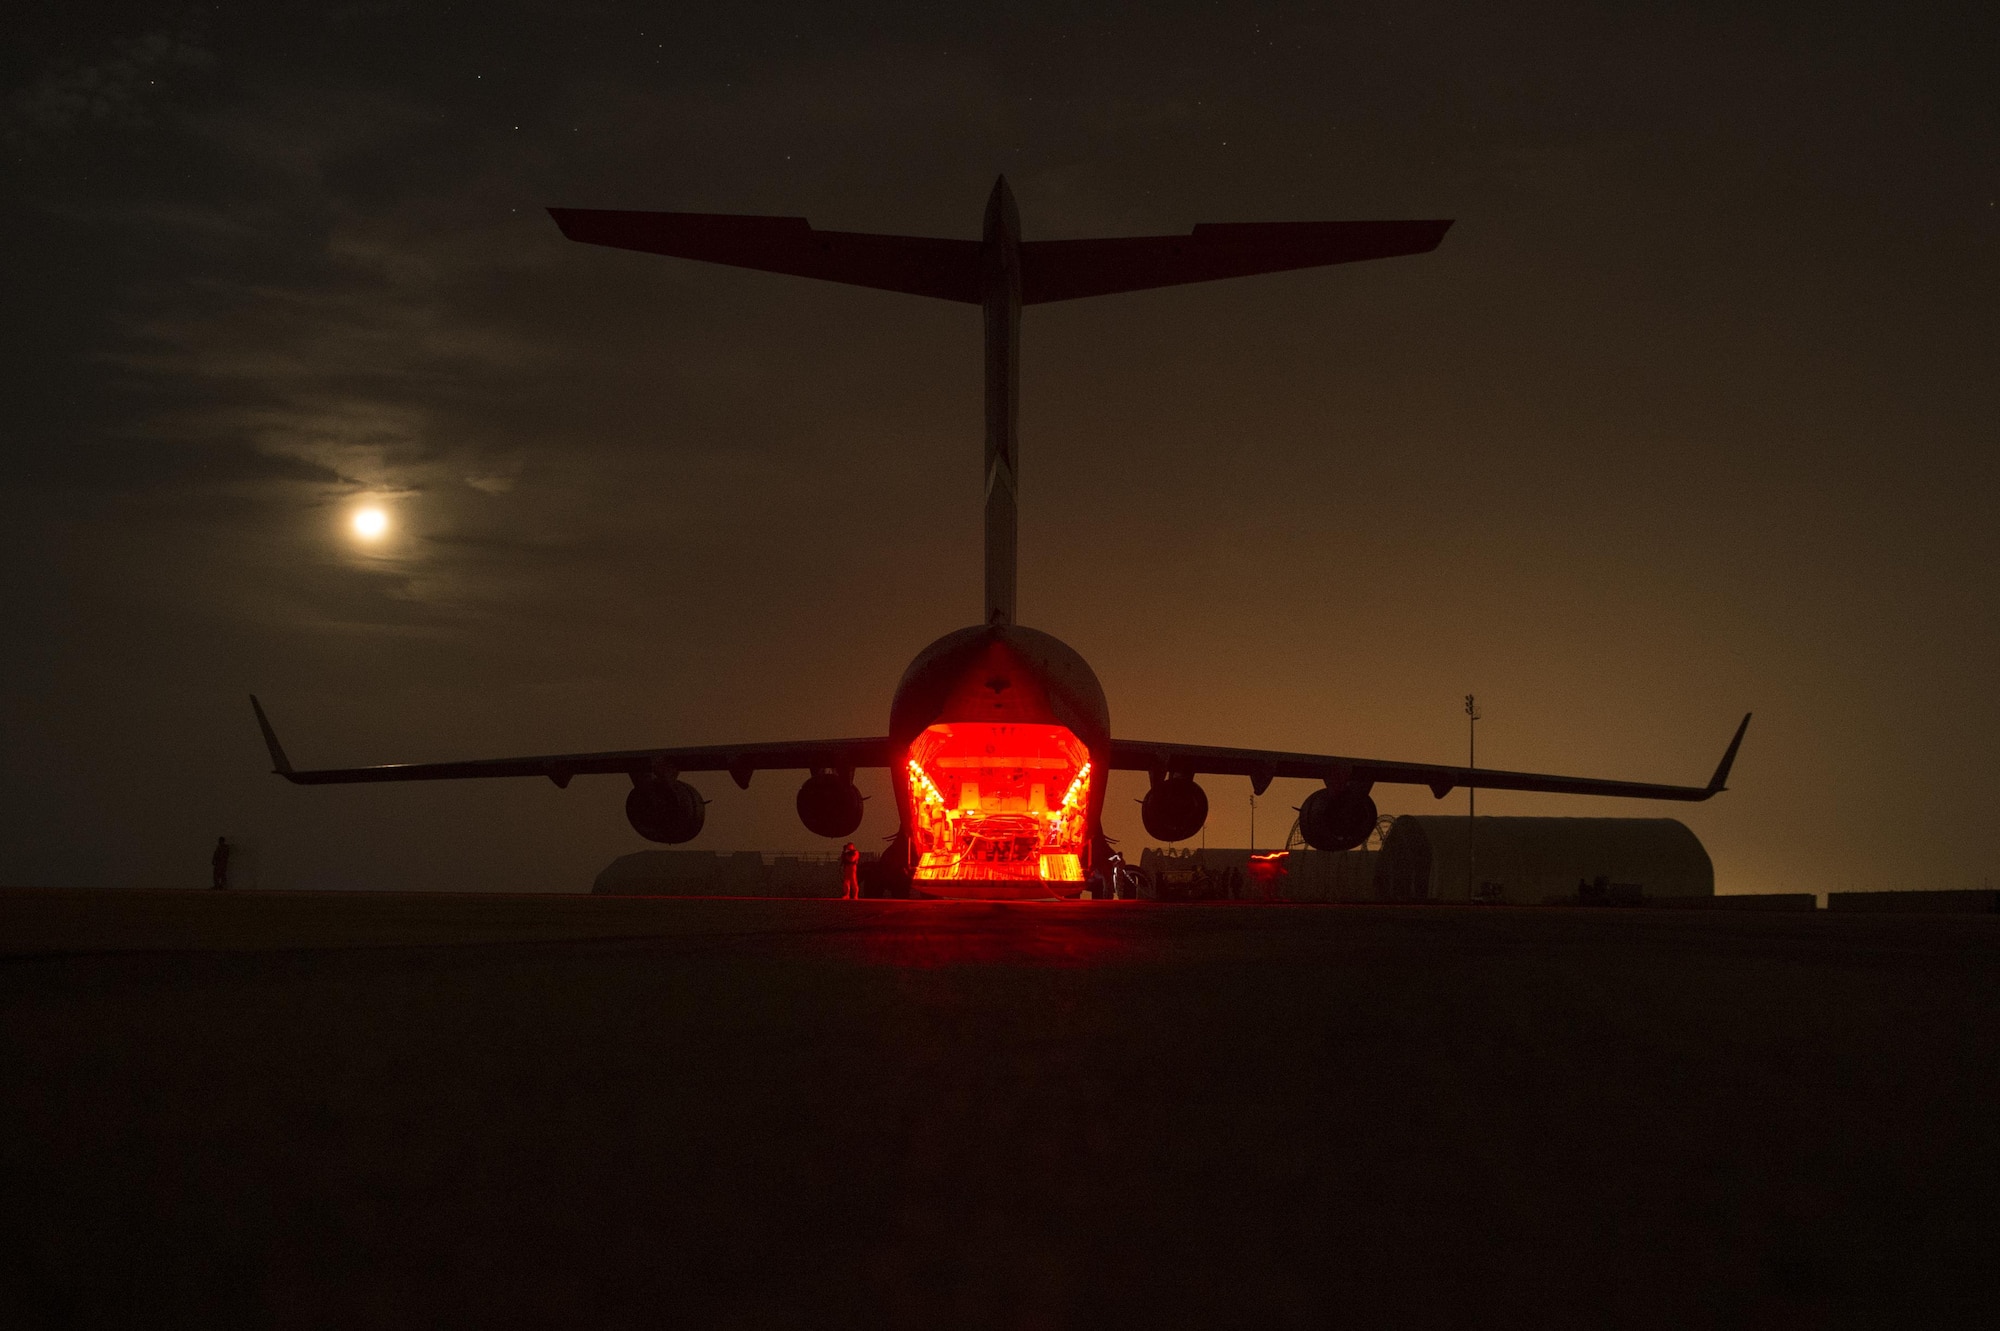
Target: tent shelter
{"type": "Point", "coordinates": [1526, 861]}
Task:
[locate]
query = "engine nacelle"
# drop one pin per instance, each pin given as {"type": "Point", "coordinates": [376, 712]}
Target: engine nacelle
{"type": "Point", "coordinates": [829, 805]}
{"type": "Point", "coordinates": [1337, 819]}
{"type": "Point", "coordinates": [665, 811]}
{"type": "Point", "coordinates": [1175, 809]}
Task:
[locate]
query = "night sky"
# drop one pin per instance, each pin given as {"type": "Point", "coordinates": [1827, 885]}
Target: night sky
{"type": "Point", "coordinates": [1692, 414]}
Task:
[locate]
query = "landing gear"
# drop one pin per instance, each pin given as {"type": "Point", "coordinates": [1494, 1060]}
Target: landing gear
{"type": "Point", "coordinates": [887, 876]}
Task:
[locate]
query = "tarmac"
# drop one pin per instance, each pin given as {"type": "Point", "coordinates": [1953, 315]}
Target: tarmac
{"type": "Point", "coordinates": [342, 1110]}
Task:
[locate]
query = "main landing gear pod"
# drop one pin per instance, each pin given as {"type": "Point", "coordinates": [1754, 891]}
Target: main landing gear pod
{"type": "Point", "coordinates": [665, 810]}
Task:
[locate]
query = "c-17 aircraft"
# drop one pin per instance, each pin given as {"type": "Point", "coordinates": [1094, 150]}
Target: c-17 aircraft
{"type": "Point", "coordinates": [999, 736]}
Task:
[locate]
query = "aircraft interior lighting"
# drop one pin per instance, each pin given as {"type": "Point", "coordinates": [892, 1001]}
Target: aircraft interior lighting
{"type": "Point", "coordinates": [999, 802]}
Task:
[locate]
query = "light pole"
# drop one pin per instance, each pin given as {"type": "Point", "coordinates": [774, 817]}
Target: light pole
{"type": "Point", "coordinates": [1471, 798]}
{"type": "Point", "coordinates": [1253, 823]}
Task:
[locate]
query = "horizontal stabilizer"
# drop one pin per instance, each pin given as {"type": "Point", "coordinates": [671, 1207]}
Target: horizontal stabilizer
{"type": "Point", "coordinates": [915, 265]}
{"type": "Point", "coordinates": [950, 269]}
{"type": "Point", "coordinates": [1068, 269]}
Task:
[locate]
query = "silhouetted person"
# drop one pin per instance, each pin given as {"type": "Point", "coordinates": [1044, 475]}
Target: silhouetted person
{"type": "Point", "coordinates": [850, 873]}
{"type": "Point", "coordinates": [1104, 876]}
{"type": "Point", "coordinates": [220, 862]}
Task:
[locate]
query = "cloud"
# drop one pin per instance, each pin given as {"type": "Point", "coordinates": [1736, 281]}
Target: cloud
{"type": "Point", "coordinates": [119, 90]}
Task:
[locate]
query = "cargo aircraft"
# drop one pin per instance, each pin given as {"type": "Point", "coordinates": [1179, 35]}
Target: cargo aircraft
{"type": "Point", "coordinates": [999, 738]}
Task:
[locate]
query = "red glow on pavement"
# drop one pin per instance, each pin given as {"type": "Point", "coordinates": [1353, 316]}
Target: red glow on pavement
{"type": "Point", "coordinates": [1265, 874]}
{"type": "Point", "coordinates": [1049, 935]}
{"type": "Point", "coordinates": [998, 802]}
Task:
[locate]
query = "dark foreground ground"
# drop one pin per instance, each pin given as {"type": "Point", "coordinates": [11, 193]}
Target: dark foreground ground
{"type": "Point", "coordinates": [348, 1111]}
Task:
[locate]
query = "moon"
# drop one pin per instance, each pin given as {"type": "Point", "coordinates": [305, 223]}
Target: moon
{"type": "Point", "coordinates": [370, 523]}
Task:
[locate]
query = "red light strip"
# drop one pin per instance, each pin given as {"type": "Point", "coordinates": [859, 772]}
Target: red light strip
{"type": "Point", "coordinates": [925, 787]}
{"type": "Point", "coordinates": [1076, 788]}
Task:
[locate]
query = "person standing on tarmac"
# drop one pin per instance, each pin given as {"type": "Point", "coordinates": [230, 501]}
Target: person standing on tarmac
{"type": "Point", "coordinates": [220, 862]}
{"type": "Point", "coordinates": [850, 873]}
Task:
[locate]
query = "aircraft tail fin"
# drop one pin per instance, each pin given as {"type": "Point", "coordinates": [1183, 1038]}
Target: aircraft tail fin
{"type": "Point", "coordinates": [1068, 269]}
{"type": "Point", "coordinates": [915, 265]}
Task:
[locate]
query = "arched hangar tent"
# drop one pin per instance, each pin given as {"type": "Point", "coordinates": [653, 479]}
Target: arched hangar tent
{"type": "Point", "coordinates": [1527, 861]}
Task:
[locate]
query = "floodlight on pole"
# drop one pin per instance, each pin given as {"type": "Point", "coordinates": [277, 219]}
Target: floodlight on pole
{"type": "Point", "coordinates": [1471, 798]}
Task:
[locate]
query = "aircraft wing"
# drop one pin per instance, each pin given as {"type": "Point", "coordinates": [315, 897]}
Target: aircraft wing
{"type": "Point", "coordinates": [739, 760]}
{"type": "Point", "coordinates": [1262, 765]}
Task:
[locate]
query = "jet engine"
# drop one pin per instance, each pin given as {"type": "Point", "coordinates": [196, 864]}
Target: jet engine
{"type": "Point", "coordinates": [1337, 819]}
{"type": "Point", "coordinates": [1175, 809]}
{"type": "Point", "coordinates": [829, 805]}
{"type": "Point", "coordinates": [664, 810]}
